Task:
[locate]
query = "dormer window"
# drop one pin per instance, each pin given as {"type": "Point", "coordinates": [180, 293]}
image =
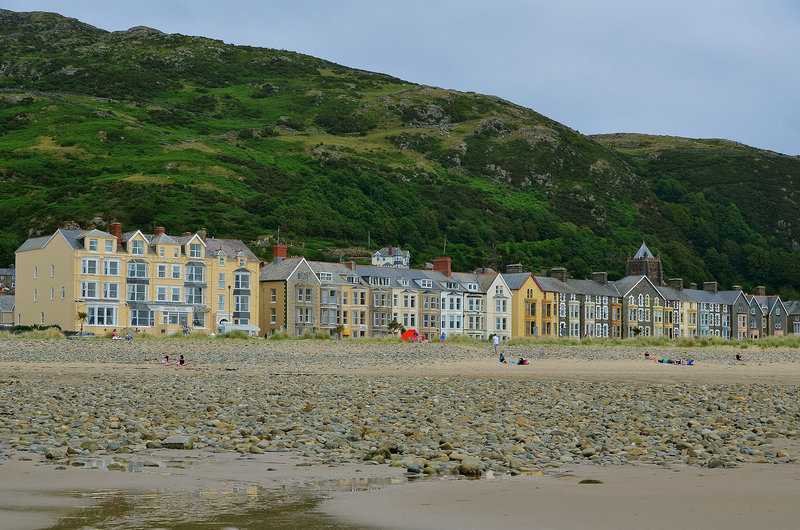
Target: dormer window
{"type": "Point", "coordinates": [242, 262]}
{"type": "Point", "coordinates": [195, 250]}
{"type": "Point", "coordinates": [176, 252]}
{"type": "Point", "coordinates": [92, 245]}
{"type": "Point", "coordinates": [109, 246]}
{"type": "Point", "coordinates": [161, 251]}
{"type": "Point", "coordinates": [352, 279]}
{"type": "Point", "coordinates": [426, 284]}
{"type": "Point", "coordinates": [472, 287]}
{"type": "Point", "coordinates": [325, 276]}
{"type": "Point", "coordinates": [137, 247]}
{"type": "Point", "coordinates": [403, 282]}
{"type": "Point", "coordinates": [222, 261]}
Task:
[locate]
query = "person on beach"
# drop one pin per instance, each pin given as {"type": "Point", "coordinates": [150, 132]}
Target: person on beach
{"type": "Point", "coordinates": [442, 337]}
{"type": "Point", "coordinates": [181, 361]}
{"type": "Point", "coordinates": [114, 334]}
{"type": "Point", "coordinates": [128, 336]}
{"type": "Point", "coordinates": [503, 359]}
{"type": "Point", "coordinates": [495, 342]}
{"type": "Point", "coordinates": [522, 360]}
{"type": "Point", "coordinates": [165, 361]}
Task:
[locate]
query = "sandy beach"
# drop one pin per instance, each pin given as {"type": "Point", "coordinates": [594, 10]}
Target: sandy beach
{"type": "Point", "coordinates": [258, 425]}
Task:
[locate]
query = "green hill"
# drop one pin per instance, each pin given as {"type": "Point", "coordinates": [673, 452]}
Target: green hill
{"type": "Point", "coordinates": [187, 132]}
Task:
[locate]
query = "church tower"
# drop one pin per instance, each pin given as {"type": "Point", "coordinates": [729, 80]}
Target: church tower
{"type": "Point", "coordinates": [645, 264]}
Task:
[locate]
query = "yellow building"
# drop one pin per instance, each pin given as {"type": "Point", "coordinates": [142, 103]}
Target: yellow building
{"type": "Point", "coordinates": [524, 303]}
{"type": "Point", "coordinates": [153, 283]}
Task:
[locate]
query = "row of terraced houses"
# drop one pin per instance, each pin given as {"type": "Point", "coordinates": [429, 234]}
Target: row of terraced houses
{"type": "Point", "coordinates": [162, 284]}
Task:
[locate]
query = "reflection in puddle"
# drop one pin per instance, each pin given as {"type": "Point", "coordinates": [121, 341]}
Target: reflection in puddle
{"type": "Point", "coordinates": [235, 508]}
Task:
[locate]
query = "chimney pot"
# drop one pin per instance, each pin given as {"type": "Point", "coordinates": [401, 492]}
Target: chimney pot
{"type": "Point", "coordinates": [514, 268]}
{"type": "Point", "coordinates": [559, 273]}
{"type": "Point", "coordinates": [115, 229]}
{"type": "Point", "coordinates": [676, 283]}
{"type": "Point", "coordinates": [693, 286]}
{"type": "Point", "coordinates": [279, 252]}
{"type": "Point", "coordinates": [160, 230]}
{"type": "Point", "coordinates": [600, 277]}
{"type": "Point", "coordinates": [761, 290]}
{"type": "Point", "coordinates": [710, 286]}
{"type": "Point", "coordinates": [736, 287]}
{"type": "Point", "coordinates": [443, 265]}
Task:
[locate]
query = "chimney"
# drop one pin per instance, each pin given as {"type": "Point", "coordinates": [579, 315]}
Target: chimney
{"type": "Point", "coordinates": [559, 273]}
{"type": "Point", "coordinates": [186, 234]}
{"type": "Point", "coordinates": [693, 286]}
{"type": "Point", "coordinates": [202, 233]}
{"type": "Point", "coordinates": [115, 229]}
{"type": "Point", "coordinates": [278, 252]}
{"type": "Point", "coordinates": [351, 265]}
{"type": "Point", "coordinates": [710, 286]}
{"type": "Point", "coordinates": [736, 287]}
{"type": "Point", "coordinates": [160, 230]}
{"type": "Point", "coordinates": [676, 283]}
{"type": "Point", "coordinates": [514, 268]}
{"type": "Point", "coordinates": [600, 277]}
{"type": "Point", "coordinates": [761, 290]}
{"type": "Point", "coordinates": [443, 265]}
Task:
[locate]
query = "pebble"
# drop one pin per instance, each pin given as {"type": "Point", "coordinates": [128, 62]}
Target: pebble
{"type": "Point", "coordinates": [276, 402]}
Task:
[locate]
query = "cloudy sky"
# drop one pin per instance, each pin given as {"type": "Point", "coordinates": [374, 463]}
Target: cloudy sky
{"type": "Point", "coordinates": [695, 68]}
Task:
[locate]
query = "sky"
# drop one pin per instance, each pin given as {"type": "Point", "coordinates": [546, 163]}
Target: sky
{"type": "Point", "coordinates": [693, 68]}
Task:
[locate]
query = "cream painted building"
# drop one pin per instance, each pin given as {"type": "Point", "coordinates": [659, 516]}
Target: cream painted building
{"type": "Point", "coordinates": [154, 283]}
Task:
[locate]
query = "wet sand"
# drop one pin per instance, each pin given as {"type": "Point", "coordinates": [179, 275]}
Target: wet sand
{"type": "Point", "coordinates": [36, 493]}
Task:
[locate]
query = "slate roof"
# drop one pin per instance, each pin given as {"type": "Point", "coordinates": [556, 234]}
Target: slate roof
{"type": "Point", "coordinates": [627, 283]}
{"type": "Point", "coordinates": [231, 247]}
{"type": "Point", "coordinates": [792, 307]}
{"type": "Point", "coordinates": [339, 273]}
{"type": "Point", "coordinates": [550, 284]}
{"type": "Point", "coordinates": [643, 252]}
{"type": "Point", "coordinates": [680, 295]}
{"type": "Point", "coordinates": [592, 288]}
{"type": "Point", "coordinates": [515, 280]}
{"type": "Point", "coordinates": [279, 270]}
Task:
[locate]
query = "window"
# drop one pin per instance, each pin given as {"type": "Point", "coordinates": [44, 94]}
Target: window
{"type": "Point", "coordinates": [109, 246]}
{"type": "Point", "coordinates": [175, 294]}
{"type": "Point", "coordinates": [302, 276]}
{"type": "Point", "coordinates": [194, 295]}
{"type": "Point", "coordinates": [426, 284]}
{"type": "Point", "coordinates": [137, 270]}
{"type": "Point", "coordinates": [242, 262]}
{"type": "Point", "coordinates": [176, 252]}
{"type": "Point", "coordinates": [161, 293]}
{"type": "Point", "coordinates": [88, 289]}
{"type": "Point", "coordinates": [35, 272]}
{"type": "Point", "coordinates": [272, 315]}
{"type": "Point", "coordinates": [221, 302]}
{"type": "Point", "coordinates": [101, 316]}
{"type": "Point", "coordinates": [222, 261]}
{"type": "Point", "coordinates": [92, 245]}
{"type": "Point", "coordinates": [195, 273]}
{"type": "Point", "coordinates": [242, 280]}
{"type": "Point", "coordinates": [137, 292]}
{"type": "Point", "coordinates": [111, 267]}
{"type": "Point", "coordinates": [176, 317]}
{"type": "Point", "coordinates": [53, 273]}
{"type": "Point", "coordinates": [137, 247]}
{"type": "Point", "coordinates": [161, 270]}
{"type": "Point", "coordinates": [88, 266]}
{"type": "Point", "coordinates": [194, 250]}
{"type": "Point", "coordinates": [52, 293]}
{"type": "Point", "coordinates": [325, 276]}
{"type": "Point", "coordinates": [111, 290]}
{"type": "Point", "coordinates": [63, 292]}
{"type": "Point", "coordinates": [176, 272]}
{"type": "Point", "coordinates": [161, 251]}
{"type": "Point", "coordinates": [273, 296]}
{"type": "Point", "coordinates": [199, 320]}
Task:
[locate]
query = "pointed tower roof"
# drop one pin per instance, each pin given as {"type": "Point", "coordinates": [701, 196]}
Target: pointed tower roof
{"type": "Point", "coordinates": [643, 252]}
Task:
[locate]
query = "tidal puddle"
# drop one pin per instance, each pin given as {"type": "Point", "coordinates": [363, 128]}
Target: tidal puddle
{"type": "Point", "coordinates": [290, 507]}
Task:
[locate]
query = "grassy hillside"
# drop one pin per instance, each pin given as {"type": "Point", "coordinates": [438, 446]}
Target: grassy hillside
{"type": "Point", "coordinates": [188, 132]}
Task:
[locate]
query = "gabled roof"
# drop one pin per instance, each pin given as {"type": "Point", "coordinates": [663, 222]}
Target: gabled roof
{"type": "Point", "coordinates": [488, 279]}
{"type": "Point", "coordinates": [392, 251]}
{"type": "Point", "coordinates": [95, 233]}
{"type": "Point", "coordinates": [770, 302]}
{"type": "Point", "coordinates": [627, 283]}
{"type": "Point", "coordinates": [339, 272]}
{"type": "Point", "coordinates": [280, 270]}
{"type": "Point", "coordinates": [792, 307]}
{"type": "Point", "coordinates": [592, 288]}
{"type": "Point", "coordinates": [643, 252]}
{"type": "Point", "coordinates": [553, 285]}
{"type": "Point", "coordinates": [37, 243]}
{"type": "Point", "coordinates": [515, 280]}
{"type": "Point", "coordinates": [729, 297]}
{"type": "Point", "coordinates": [229, 246]}
{"type": "Point", "coordinates": [162, 239]}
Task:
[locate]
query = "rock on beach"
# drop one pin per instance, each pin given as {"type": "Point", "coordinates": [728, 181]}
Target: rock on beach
{"type": "Point", "coordinates": [334, 402]}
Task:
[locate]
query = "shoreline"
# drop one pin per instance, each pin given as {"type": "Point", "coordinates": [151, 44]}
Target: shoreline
{"type": "Point", "coordinates": [245, 422]}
